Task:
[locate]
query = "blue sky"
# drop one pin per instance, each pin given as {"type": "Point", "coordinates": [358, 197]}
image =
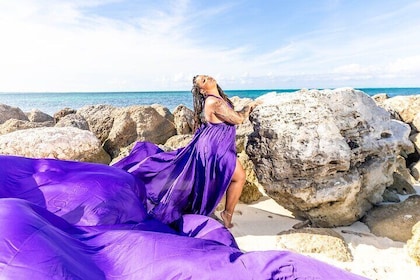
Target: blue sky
{"type": "Point", "coordinates": [128, 45]}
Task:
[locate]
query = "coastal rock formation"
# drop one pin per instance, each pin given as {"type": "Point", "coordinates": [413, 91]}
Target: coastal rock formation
{"type": "Point", "coordinates": [66, 143]}
{"type": "Point", "coordinates": [394, 221]}
{"type": "Point", "coordinates": [327, 155]}
{"type": "Point", "coordinates": [8, 112]}
{"type": "Point", "coordinates": [322, 241]}
{"type": "Point", "coordinates": [137, 123]}
{"type": "Point", "coordinates": [407, 107]}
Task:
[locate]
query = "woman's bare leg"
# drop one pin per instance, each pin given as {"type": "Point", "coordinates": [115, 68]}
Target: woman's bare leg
{"type": "Point", "coordinates": [233, 193]}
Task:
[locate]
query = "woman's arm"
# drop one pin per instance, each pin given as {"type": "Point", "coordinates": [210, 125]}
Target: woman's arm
{"type": "Point", "coordinates": [225, 113]}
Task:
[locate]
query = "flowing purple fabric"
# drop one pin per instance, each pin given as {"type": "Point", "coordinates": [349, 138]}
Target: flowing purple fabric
{"type": "Point", "coordinates": [74, 220]}
{"type": "Point", "coordinates": [192, 179]}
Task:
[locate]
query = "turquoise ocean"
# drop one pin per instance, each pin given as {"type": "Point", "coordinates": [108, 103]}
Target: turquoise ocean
{"type": "Point", "coordinates": [51, 103]}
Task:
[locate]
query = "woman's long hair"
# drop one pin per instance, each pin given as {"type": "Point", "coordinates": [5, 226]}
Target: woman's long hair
{"type": "Point", "coordinates": [198, 102]}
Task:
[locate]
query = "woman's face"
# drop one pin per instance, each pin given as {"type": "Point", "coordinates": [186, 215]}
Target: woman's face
{"type": "Point", "coordinates": [205, 83]}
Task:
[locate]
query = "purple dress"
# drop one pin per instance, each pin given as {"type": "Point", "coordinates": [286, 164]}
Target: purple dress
{"type": "Point", "coordinates": [190, 180]}
{"type": "Point", "coordinates": [74, 220]}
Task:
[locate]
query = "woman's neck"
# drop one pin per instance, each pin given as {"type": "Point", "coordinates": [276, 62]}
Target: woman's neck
{"type": "Point", "coordinates": [213, 92]}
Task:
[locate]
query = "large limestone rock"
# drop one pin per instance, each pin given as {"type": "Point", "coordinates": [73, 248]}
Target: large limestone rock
{"type": "Point", "coordinates": [66, 143]}
{"type": "Point", "coordinates": [407, 107]}
{"type": "Point", "coordinates": [137, 123]}
{"type": "Point", "coordinates": [99, 118]}
{"type": "Point", "coordinates": [184, 120]}
{"type": "Point", "coordinates": [38, 116]}
{"type": "Point", "coordinates": [8, 112]}
{"type": "Point", "coordinates": [327, 155]}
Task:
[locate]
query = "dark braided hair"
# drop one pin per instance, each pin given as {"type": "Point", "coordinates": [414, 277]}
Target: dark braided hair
{"type": "Point", "coordinates": [198, 102]}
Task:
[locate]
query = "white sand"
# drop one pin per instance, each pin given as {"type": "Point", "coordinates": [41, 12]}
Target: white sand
{"type": "Point", "coordinates": [256, 226]}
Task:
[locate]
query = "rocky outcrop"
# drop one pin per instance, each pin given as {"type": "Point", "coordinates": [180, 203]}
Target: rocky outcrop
{"type": "Point", "coordinates": [328, 155]}
{"type": "Point", "coordinates": [137, 123]}
{"type": "Point", "coordinates": [66, 143]}
{"type": "Point", "coordinates": [8, 112]}
{"type": "Point", "coordinates": [394, 221]}
{"type": "Point", "coordinates": [407, 107]}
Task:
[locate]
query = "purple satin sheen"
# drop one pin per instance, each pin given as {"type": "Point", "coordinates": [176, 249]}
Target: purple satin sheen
{"type": "Point", "coordinates": [73, 220]}
{"type": "Point", "coordinates": [192, 179]}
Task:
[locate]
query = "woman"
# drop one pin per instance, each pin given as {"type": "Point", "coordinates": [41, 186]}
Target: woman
{"type": "Point", "coordinates": [193, 179]}
{"type": "Point", "coordinates": [212, 108]}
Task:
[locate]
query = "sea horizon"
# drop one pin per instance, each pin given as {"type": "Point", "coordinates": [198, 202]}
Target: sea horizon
{"type": "Point", "coordinates": [51, 102]}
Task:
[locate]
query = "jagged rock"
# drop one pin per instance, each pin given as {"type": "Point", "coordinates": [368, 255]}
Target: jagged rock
{"type": "Point", "coordinates": [14, 125]}
{"type": "Point", "coordinates": [183, 120]}
{"type": "Point", "coordinates": [39, 116]}
{"type": "Point", "coordinates": [322, 241]}
{"type": "Point", "coordinates": [394, 221]}
{"type": "Point", "coordinates": [66, 143]}
{"type": "Point", "coordinates": [63, 112]}
{"type": "Point", "coordinates": [245, 128]}
{"type": "Point", "coordinates": [327, 155]}
{"type": "Point", "coordinates": [73, 120]}
{"type": "Point", "coordinates": [137, 123]}
{"type": "Point", "coordinates": [100, 119]}
{"type": "Point", "coordinates": [413, 245]}
{"type": "Point", "coordinates": [8, 112]}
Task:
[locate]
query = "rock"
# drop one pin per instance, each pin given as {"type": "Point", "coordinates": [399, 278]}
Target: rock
{"type": "Point", "coordinates": [407, 107]}
{"type": "Point", "coordinates": [137, 123]}
{"type": "Point", "coordinates": [163, 111]}
{"type": "Point", "coordinates": [183, 120]}
{"type": "Point", "coordinates": [321, 241]}
{"type": "Point", "coordinates": [73, 120]}
{"type": "Point", "coordinates": [65, 143]}
{"type": "Point", "coordinates": [404, 171]}
{"type": "Point", "coordinates": [415, 171]}
{"type": "Point", "coordinates": [245, 128]}
{"type": "Point", "coordinates": [325, 155]}
{"type": "Point", "coordinates": [250, 192]}
{"type": "Point", "coordinates": [14, 125]}
{"type": "Point", "coordinates": [415, 138]}
{"type": "Point", "coordinates": [394, 221]}
{"type": "Point", "coordinates": [7, 112]}
{"type": "Point", "coordinates": [413, 244]}
{"type": "Point", "coordinates": [390, 196]}
{"type": "Point", "coordinates": [100, 119]}
{"type": "Point", "coordinates": [401, 186]}
{"type": "Point", "coordinates": [380, 97]}
{"type": "Point", "coordinates": [63, 112]}
{"type": "Point", "coordinates": [416, 122]}
{"type": "Point", "coordinates": [178, 141]}
{"type": "Point", "coordinates": [38, 116]}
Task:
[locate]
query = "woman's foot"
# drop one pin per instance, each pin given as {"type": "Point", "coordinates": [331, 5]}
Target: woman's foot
{"type": "Point", "coordinates": [227, 218]}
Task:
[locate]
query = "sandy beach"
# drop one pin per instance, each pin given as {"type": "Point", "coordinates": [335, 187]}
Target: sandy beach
{"type": "Point", "coordinates": [256, 226]}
